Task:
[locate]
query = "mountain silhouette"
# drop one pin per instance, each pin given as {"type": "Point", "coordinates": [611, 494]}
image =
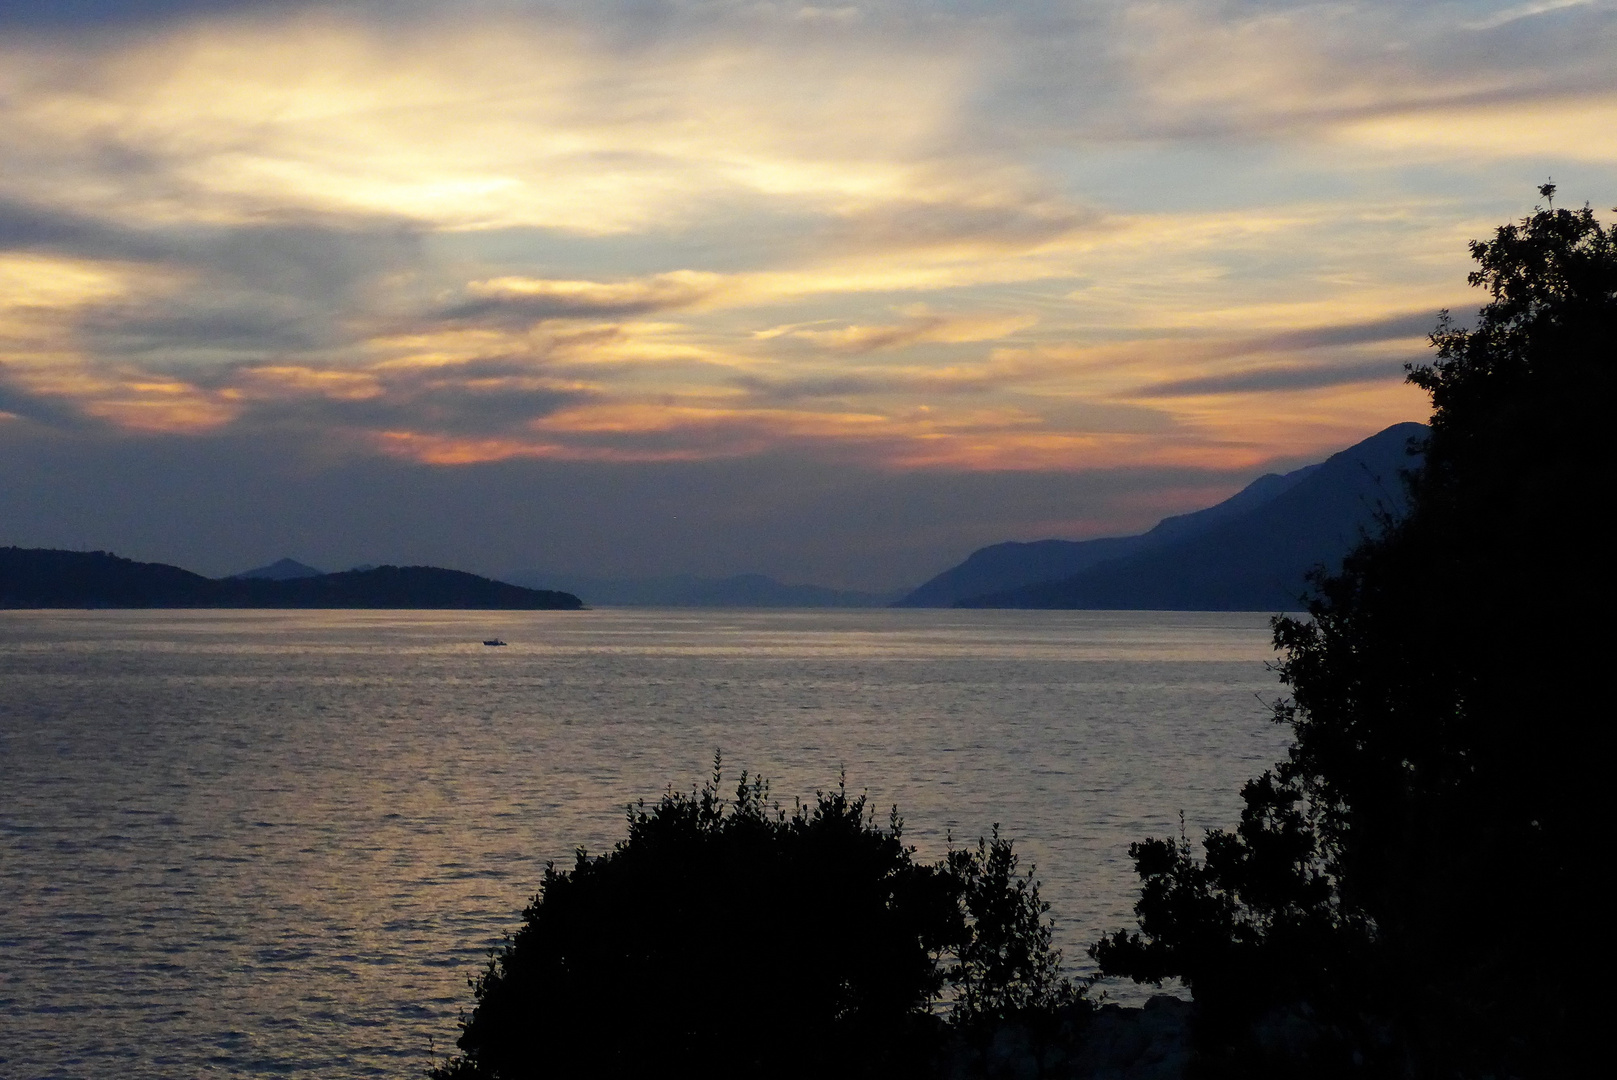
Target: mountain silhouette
{"type": "Point", "coordinates": [47, 578]}
{"type": "Point", "coordinates": [1010, 565]}
{"type": "Point", "coordinates": [1250, 552]}
{"type": "Point", "coordinates": [283, 570]}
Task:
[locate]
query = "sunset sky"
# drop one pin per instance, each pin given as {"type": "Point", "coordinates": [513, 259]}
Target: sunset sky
{"type": "Point", "coordinates": [835, 293]}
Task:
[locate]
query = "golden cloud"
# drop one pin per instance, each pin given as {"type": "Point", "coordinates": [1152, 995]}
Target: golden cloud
{"type": "Point", "coordinates": [1582, 129]}
{"type": "Point", "coordinates": [473, 125]}
{"type": "Point", "coordinates": [712, 243]}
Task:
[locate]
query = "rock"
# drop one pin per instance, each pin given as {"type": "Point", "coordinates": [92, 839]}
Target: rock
{"type": "Point", "coordinates": [1151, 1043]}
{"type": "Point", "coordinates": [1012, 1055]}
{"type": "Point", "coordinates": [1108, 1043]}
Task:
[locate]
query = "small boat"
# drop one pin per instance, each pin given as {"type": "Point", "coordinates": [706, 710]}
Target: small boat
{"type": "Point", "coordinates": [493, 641]}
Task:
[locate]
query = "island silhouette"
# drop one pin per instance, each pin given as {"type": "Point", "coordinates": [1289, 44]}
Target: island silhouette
{"type": "Point", "coordinates": [50, 578]}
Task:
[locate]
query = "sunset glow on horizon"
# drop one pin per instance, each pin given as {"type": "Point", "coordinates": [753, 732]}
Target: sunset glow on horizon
{"type": "Point", "coordinates": [1199, 237]}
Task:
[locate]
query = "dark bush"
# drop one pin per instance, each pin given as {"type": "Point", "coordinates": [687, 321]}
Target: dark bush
{"type": "Point", "coordinates": [731, 934]}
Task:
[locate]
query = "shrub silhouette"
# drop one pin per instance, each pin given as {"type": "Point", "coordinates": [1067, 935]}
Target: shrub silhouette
{"type": "Point", "coordinates": [731, 934]}
{"type": "Point", "coordinates": [1401, 895]}
{"type": "Point", "coordinates": [1003, 963]}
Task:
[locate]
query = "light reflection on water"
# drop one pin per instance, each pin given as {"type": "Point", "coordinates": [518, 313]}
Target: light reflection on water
{"type": "Point", "coordinates": [255, 843]}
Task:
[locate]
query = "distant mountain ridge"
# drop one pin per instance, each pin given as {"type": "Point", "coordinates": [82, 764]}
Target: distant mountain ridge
{"type": "Point", "coordinates": [1250, 552]}
{"type": "Point", "coordinates": [283, 570]}
{"type": "Point", "coordinates": [1002, 567]}
{"type": "Point", "coordinates": [49, 578]}
{"type": "Point", "coordinates": [688, 590]}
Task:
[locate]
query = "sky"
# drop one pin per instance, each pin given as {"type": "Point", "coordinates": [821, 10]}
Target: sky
{"type": "Point", "coordinates": [834, 293]}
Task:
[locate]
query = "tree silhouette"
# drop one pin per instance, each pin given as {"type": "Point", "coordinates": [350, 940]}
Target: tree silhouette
{"type": "Point", "coordinates": [728, 932]}
{"type": "Point", "coordinates": [1406, 893]}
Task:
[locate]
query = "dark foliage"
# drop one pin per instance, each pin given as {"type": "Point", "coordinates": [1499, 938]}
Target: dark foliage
{"type": "Point", "coordinates": [1412, 892]}
{"type": "Point", "coordinates": [732, 934]}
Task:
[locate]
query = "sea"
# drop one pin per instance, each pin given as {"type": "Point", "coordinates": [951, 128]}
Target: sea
{"type": "Point", "coordinates": [280, 843]}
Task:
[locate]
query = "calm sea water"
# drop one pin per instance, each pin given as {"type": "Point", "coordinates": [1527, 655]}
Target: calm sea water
{"type": "Point", "coordinates": [272, 843]}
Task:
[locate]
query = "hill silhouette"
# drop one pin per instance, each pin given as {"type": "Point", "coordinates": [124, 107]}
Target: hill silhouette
{"type": "Point", "coordinates": [1250, 553]}
{"type": "Point", "coordinates": [1313, 515]}
{"type": "Point", "coordinates": [1003, 567]}
{"type": "Point", "coordinates": [48, 578]}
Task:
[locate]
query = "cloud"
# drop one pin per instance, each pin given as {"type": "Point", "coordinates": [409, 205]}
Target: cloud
{"type": "Point", "coordinates": [98, 14]}
{"type": "Point", "coordinates": [921, 328]}
{"type": "Point", "coordinates": [460, 401]}
{"type": "Point", "coordinates": [19, 403]}
{"type": "Point", "coordinates": [1524, 11]}
{"type": "Point", "coordinates": [779, 390]}
{"type": "Point", "coordinates": [500, 119]}
{"type": "Point", "coordinates": [1569, 128]}
{"type": "Point", "coordinates": [1279, 377]}
{"type": "Point", "coordinates": [516, 300]}
{"type": "Point", "coordinates": [26, 226]}
{"type": "Point", "coordinates": [964, 238]}
{"type": "Point", "coordinates": [1014, 214]}
{"type": "Point", "coordinates": [212, 292]}
{"type": "Point", "coordinates": [1215, 71]}
{"type": "Point", "coordinates": [1395, 327]}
